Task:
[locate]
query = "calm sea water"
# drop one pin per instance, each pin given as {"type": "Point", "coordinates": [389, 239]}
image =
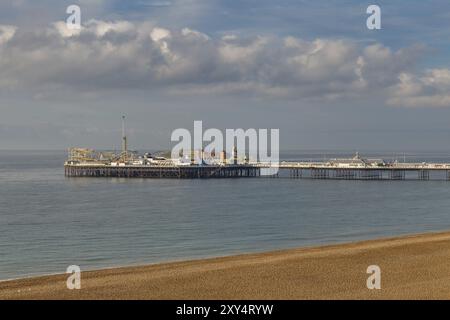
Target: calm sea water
{"type": "Point", "coordinates": [48, 222]}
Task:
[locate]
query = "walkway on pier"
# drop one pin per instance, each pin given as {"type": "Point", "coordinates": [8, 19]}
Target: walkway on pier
{"type": "Point", "coordinates": [394, 171]}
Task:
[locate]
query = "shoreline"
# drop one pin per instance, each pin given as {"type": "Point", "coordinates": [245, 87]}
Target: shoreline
{"type": "Point", "coordinates": [209, 257]}
{"type": "Point", "coordinates": [412, 267]}
{"type": "Point", "coordinates": [238, 253]}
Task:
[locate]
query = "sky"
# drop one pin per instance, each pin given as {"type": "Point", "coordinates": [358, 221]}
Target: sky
{"type": "Point", "coordinates": [311, 69]}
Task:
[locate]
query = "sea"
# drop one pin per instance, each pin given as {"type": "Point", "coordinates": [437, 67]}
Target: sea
{"type": "Point", "coordinates": [49, 222]}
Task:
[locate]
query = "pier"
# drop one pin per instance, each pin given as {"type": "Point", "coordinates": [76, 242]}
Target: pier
{"type": "Point", "coordinates": [398, 172]}
{"type": "Point", "coordinates": [358, 168]}
{"type": "Point", "coordinates": [165, 172]}
{"type": "Point", "coordinates": [197, 164]}
{"type": "Point", "coordinates": [293, 170]}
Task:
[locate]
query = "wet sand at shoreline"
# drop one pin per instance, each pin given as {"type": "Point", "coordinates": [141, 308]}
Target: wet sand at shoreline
{"type": "Point", "coordinates": [412, 267]}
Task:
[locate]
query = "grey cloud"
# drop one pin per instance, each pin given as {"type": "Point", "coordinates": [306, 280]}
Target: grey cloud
{"type": "Point", "coordinates": [430, 89]}
{"type": "Point", "coordinates": [128, 56]}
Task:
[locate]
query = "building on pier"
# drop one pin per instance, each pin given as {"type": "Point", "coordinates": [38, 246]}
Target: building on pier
{"type": "Point", "coordinates": [356, 162]}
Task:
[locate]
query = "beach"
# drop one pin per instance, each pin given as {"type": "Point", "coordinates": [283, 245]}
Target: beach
{"type": "Point", "coordinates": [412, 267]}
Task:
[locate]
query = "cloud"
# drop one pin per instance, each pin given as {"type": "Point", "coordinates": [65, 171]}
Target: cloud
{"type": "Point", "coordinates": [127, 55]}
{"type": "Point", "coordinates": [6, 33]}
{"type": "Point", "coordinates": [431, 89]}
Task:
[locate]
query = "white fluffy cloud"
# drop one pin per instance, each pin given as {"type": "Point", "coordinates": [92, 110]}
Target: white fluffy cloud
{"type": "Point", "coordinates": [125, 55]}
{"type": "Point", "coordinates": [431, 89]}
{"type": "Point", "coordinates": [6, 33]}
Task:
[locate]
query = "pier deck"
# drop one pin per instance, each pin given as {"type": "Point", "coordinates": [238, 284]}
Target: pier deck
{"type": "Point", "coordinates": [316, 170]}
{"type": "Point", "coordinates": [392, 171]}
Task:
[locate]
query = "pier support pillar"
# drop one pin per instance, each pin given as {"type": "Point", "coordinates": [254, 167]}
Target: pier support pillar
{"type": "Point", "coordinates": [368, 174]}
{"type": "Point", "coordinates": [424, 175]}
{"type": "Point", "coordinates": [295, 173]}
{"type": "Point", "coordinates": [345, 174]}
{"type": "Point", "coordinates": [319, 174]}
{"type": "Point", "coordinates": [397, 175]}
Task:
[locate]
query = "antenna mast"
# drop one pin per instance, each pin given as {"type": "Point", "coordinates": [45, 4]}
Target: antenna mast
{"type": "Point", "coordinates": [124, 138]}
